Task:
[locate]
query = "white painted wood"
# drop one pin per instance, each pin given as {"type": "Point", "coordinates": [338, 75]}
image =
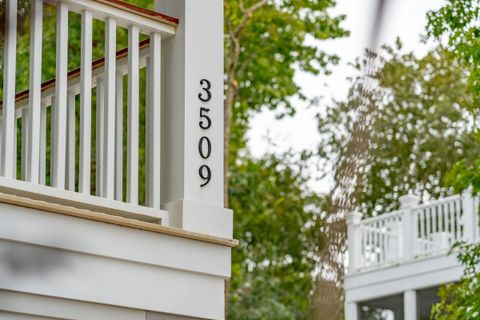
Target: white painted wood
{"type": "Point", "coordinates": [80, 200]}
{"type": "Point", "coordinates": [25, 147]}
{"type": "Point", "coordinates": [15, 148]}
{"type": "Point", "coordinates": [351, 311]}
{"type": "Point", "coordinates": [114, 280]}
{"type": "Point", "coordinates": [133, 115]}
{"type": "Point", "coordinates": [410, 305]}
{"type": "Point", "coordinates": [52, 133]}
{"type": "Point", "coordinates": [64, 309]}
{"type": "Point", "coordinates": [85, 104]}
{"type": "Point", "coordinates": [20, 316]}
{"type": "Point", "coordinates": [83, 253]}
{"type": "Point", "coordinates": [119, 138]}
{"type": "Point", "coordinates": [70, 150]}
{"type": "Point", "coordinates": [124, 18]}
{"type": "Point", "coordinates": [354, 241]}
{"type": "Point", "coordinates": [112, 241]}
{"type": "Point", "coordinates": [469, 212]}
{"type": "Point", "coordinates": [154, 121]}
{"type": "Point", "coordinates": [414, 275]}
{"type": "Point", "coordinates": [8, 114]}
{"type": "Point", "coordinates": [99, 136]}
{"type": "Point", "coordinates": [43, 145]}
{"type": "Point", "coordinates": [108, 187]}
{"type": "Point", "coordinates": [60, 114]}
{"type": "Point", "coordinates": [198, 57]}
{"type": "Point", "coordinates": [35, 89]}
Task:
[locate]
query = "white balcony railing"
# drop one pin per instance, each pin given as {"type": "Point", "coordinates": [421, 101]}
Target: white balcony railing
{"type": "Point", "coordinates": [415, 231]}
{"type": "Point", "coordinates": [56, 100]}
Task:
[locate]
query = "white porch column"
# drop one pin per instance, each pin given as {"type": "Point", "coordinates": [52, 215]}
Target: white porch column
{"type": "Point", "coordinates": [351, 311]}
{"type": "Point", "coordinates": [192, 101]}
{"type": "Point", "coordinates": [410, 305]}
{"type": "Point", "coordinates": [409, 229]}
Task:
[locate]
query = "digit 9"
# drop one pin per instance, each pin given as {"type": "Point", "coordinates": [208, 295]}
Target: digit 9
{"type": "Point", "coordinates": [205, 173]}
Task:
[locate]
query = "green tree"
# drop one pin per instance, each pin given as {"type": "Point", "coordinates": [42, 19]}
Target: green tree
{"type": "Point", "coordinates": [280, 226]}
{"type": "Point", "coordinates": [460, 301]}
{"type": "Point", "coordinates": [265, 43]}
{"type": "Point", "coordinates": [419, 117]}
{"type": "Point", "coordinates": [457, 21]}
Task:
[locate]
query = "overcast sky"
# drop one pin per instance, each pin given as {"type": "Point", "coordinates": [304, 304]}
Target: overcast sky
{"type": "Point", "coordinates": [403, 18]}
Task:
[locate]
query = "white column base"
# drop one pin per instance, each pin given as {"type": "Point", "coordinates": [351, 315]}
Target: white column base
{"type": "Point", "coordinates": [351, 311]}
{"type": "Point", "coordinates": [202, 218]}
{"type": "Point", "coordinates": [410, 305]}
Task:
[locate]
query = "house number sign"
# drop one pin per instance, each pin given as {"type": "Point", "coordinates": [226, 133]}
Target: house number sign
{"type": "Point", "coordinates": [204, 143]}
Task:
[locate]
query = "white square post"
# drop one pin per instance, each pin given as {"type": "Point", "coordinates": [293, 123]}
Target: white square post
{"type": "Point", "coordinates": [192, 100]}
{"type": "Point", "coordinates": [469, 216]}
{"type": "Point", "coordinates": [410, 305]}
{"type": "Point", "coordinates": [409, 225]}
{"type": "Point", "coordinates": [354, 241]}
{"type": "Point", "coordinates": [351, 311]}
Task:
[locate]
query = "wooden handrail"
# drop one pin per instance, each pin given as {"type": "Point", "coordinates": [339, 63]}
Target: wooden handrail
{"type": "Point", "coordinates": [140, 11]}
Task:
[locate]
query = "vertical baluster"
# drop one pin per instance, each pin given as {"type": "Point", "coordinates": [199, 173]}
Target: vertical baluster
{"type": "Point", "coordinates": [61, 85]}
{"type": "Point", "coordinates": [364, 245]}
{"type": "Point", "coordinates": [119, 139]}
{"type": "Point", "coordinates": [99, 137]}
{"type": "Point", "coordinates": [133, 109]}
{"type": "Point", "coordinates": [25, 114]}
{"type": "Point", "coordinates": [429, 227]}
{"type": "Point", "coordinates": [369, 243]}
{"type": "Point", "coordinates": [153, 122]}
{"type": "Point", "coordinates": [415, 232]}
{"type": "Point", "coordinates": [9, 121]}
{"type": "Point", "coordinates": [1, 134]}
{"type": "Point", "coordinates": [444, 218]}
{"type": "Point", "coordinates": [458, 219]}
{"type": "Point", "coordinates": [85, 104]}
{"type": "Point", "coordinates": [70, 151]}
{"type": "Point", "coordinates": [15, 146]}
{"type": "Point", "coordinates": [35, 91]}
{"type": "Point", "coordinates": [451, 219]}
{"type": "Point", "coordinates": [52, 134]}
{"type": "Point", "coordinates": [43, 145]}
{"type": "Point", "coordinates": [434, 218]}
{"type": "Point", "coordinates": [382, 242]}
{"type": "Point", "coordinates": [109, 116]}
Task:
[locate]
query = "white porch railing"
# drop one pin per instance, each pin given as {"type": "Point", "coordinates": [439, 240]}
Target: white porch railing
{"type": "Point", "coordinates": [56, 100]}
{"type": "Point", "coordinates": [413, 232]}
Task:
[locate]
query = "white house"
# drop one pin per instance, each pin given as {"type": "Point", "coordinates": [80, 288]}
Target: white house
{"type": "Point", "coordinates": [68, 254]}
{"type": "Point", "coordinates": [398, 260]}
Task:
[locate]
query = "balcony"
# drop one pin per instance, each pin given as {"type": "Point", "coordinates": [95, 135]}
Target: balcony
{"type": "Point", "coordinates": [414, 232]}
{"type": "Point", "coordinates": [404, 255]}
{"type": "Point", "coordinates": [111, 194]}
